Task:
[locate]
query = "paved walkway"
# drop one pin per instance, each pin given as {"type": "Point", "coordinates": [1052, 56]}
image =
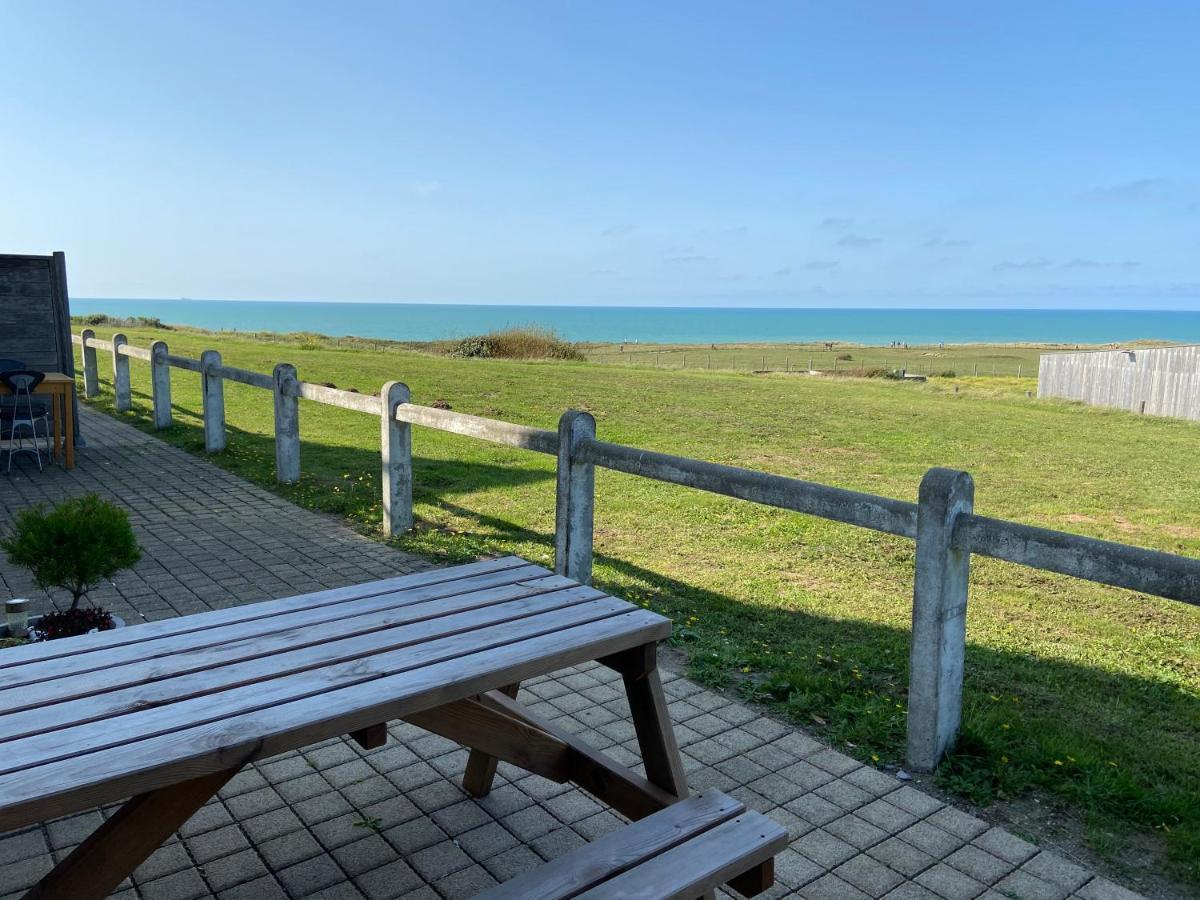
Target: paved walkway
{"type": "Point", "coordinates": [338, 822]}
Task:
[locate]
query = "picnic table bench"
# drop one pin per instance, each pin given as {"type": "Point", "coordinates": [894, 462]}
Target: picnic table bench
{"type": "Point", "coordinates": [167, 712]}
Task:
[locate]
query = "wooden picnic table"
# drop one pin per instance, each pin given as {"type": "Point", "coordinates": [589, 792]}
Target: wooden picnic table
{"type": "Point", "coordinates": [61, 390]}
{"type": "Point", "coordinates": [168, 712]}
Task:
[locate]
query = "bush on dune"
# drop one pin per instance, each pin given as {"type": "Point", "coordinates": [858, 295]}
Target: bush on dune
{"type": "Point", "coordinates": [516, 343]}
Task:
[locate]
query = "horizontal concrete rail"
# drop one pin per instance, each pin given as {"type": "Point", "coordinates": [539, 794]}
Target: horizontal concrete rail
{"type": "Point", "coordinates": [183, 362]}
{"type": "Point", "coordinates": [135, 352]}
{"type": "Point", "coordinates": [537, 439]}
{"type": "Point", "coordinates": [865, 510]}
{"type": "Point", "coordinates": [319, 393]}
{"type": "Point", "coordinates": [1120, 565]}
{"type": "Point", "coordinates": [244, 376]}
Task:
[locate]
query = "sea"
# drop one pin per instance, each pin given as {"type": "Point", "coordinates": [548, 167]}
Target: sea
{"type": "Point", "coordinates": [661, 324]}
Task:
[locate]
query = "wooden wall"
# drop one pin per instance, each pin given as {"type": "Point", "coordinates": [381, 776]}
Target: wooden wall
{"type": "Point", "coordinates": [35, 317]}
{"type": "Point", "coordinates": [1163, 381]}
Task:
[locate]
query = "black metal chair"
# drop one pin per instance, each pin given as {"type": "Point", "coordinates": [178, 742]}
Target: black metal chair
{"type": "Point", "coordinates": [24, 415]}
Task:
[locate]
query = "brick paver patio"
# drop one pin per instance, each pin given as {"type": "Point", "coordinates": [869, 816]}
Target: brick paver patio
{"type": "Point", "coordinates": [339, 822]}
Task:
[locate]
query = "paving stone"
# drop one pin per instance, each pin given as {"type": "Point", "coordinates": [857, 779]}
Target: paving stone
{"type": "Point", "coordinates": [857, 832]}
{"type": "Point", "coordinates": [931, 839]}
{"type": "Point", "coordinates": [486, 841]}
{"type": "Point", "coordinates": [980, 865]}
{"type": "Point", "coordinates": [363, 855]}
{"type": "Point", "coordinates": [1029, 887]}
{"type": "Point", "coordinates": [391, 880]}
{"type": "Point", "coordinates": [1057, 870]}
{"type": "Point", "coordinates": [465, 883]}
{"type": "Point", "coordinates": [439, 860]}
{"type": "Point", "coordinates": [824, 848]}
{"type": "Point", "coordinates": [305, 878]}
{"type": "Point", "coordinates": [830, 887]}
{"type": "Point", "coordinates": [957, 822]}
{"type": "Point", "coordinates": [512, 863]}
{"type": "Point", "coordinates": [555, 843]}
{"type": "Point", "coordinates": [915, 802]}
{"type": "Point", "coordinates": [185, 885]}
{"type": "Point", "coordinates": [868, 875]}
{"type": "Point", "coordinates": [166, 860]}
{"type": "Point", "coordinates": [903, 857]}
{"type": "Point", "coordinates": [264, 888]}
{"type": "Point", "coordinates": [882, 814]}
{"type": "Point", "coordinates": [1005, 846]}
{"type": "Point", "coordinates": [1103, 889]}
{"type": "Point", "coordinates": [950, 883]}
{"type": "Point", "coordinates": [234, 869]}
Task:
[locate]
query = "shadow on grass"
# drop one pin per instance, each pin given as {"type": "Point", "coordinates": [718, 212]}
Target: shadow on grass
{"type": "Point", "coordinates": [1118, 748]}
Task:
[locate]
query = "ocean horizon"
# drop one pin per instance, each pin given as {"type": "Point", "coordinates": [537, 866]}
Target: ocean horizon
{"type": "Point", "coordinates": [663, 324]}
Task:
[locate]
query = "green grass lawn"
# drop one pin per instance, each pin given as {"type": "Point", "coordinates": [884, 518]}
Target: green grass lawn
{"type": "Point", "coordinates": [1088, 693]}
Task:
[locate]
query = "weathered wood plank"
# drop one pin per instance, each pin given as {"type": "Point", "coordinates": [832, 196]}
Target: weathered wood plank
{"type": "Point", "coordinates": [620, 850]}
{"type": "Point", "coordinates": [700, 864]}
{"type": "Point", "coordinates": [656, 737]}
{"type": "Point", "coordinates": [600, 775]}
{"type": "Point", "coordinates": [497, 736]}
{"type": "Point", "coordinates": [59, 788]}
{"type": "Point", "coordinates": [126, 839]}
{"type": "Point", "coordinates": [210, 694]}
{"type": "Point", "coordinates": [372, 737]}
{"type": "Point", "coordinates": [15, 656]}
{"type": "Point", "coordinates": [103, 686]}
{"type": "Point", "coordinates": [481, 768]}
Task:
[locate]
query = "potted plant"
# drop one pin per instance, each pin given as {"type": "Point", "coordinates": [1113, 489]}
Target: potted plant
{"type": "Point", "coordinates": [73, 547]}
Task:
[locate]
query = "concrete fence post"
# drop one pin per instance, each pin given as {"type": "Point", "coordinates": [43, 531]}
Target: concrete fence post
{"type": "Point", "coordinates": [287, 425]}
{"type": "Point", "coordinates": [91, 377]}
{"type": "Point", "coordinates": [160, 384]}
{"type": "Point", "coordinates": [575, 500]}
{"type": "Point", "coordinates": [212, 389]}
{"type": "Point", "coordinates": [395, 440]}
{"type": "Point", "coordinates": [122, 399]}
{"type": "Point", "coordinates": [939, 624]}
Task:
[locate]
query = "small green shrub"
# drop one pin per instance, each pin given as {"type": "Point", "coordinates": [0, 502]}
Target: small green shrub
{"type": "Point", "coordinates": [73, 546]}
{"type": "Point", "coordinates": [844, 357]}
{"type": "Point", "coordinates": [529, 342]}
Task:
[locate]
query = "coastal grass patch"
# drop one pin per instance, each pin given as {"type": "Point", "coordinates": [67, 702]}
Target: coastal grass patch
{"type": "Point", "coordinates": [1086, 694]}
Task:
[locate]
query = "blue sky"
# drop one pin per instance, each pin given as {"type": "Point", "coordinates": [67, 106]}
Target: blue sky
{"type": "Point", "coordinates": [957, 154]}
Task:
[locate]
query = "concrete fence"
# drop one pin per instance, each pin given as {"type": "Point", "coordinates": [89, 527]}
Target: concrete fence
{"type": "Point", "coordinates": [1161, 381]}
{"type": "Point", "coordinates": [942, 521]}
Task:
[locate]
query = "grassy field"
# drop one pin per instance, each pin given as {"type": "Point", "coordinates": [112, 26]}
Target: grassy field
{"type": "Point", "coordinates": [961, 359]}
{"type": "Point", "coordinates": [1086, 694]}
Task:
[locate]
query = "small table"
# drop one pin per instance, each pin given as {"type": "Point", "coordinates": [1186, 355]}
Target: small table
{"type": "Point", "coordinates": [61, 389]}
{"type": "Point", "coordinates": [169, 711]}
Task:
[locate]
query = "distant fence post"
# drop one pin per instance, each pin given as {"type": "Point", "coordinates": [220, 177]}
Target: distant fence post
{"type": "Point", "coordinates": [212, 389]}
{"type": "Point", "coordinates": [575, 500]}
{"type": "Point", "coordinates": [287, 425]}
{"type": "Point", "coordinates": [122, 400]}
{"type": "Point", "coordinates": [160, 384]}
{"type": "Point", "coordinates": [395, 439]}
{"type": "Point", "coordinates": [91, 378]}
{"type": "Point", "coordinates": [939, 624]}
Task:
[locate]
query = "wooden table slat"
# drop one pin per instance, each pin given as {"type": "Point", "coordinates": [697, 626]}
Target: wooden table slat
{"type": "Point", "coordinates": [619, 850]}
{"type": "Point", "coordinates": [708, 859]}
{"type": "Point", "coordinates": [423, 644]}
{"type": "Point", "coordinates": [144, 764]}
{"type": "Point", "coordinates": [106, 640]}
{"type": "Point", "coordinates": [169, 647]}
{"type": "Point", "coordinates": [225, 668]}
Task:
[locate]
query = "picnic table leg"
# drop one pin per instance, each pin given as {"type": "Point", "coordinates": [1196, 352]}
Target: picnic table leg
{"type": "Point", "coordinates": [481, 768]}
{"type": "Point", "coordinates": [652, 721]}
{"type": "Point", "coordinates": [111, 853]}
